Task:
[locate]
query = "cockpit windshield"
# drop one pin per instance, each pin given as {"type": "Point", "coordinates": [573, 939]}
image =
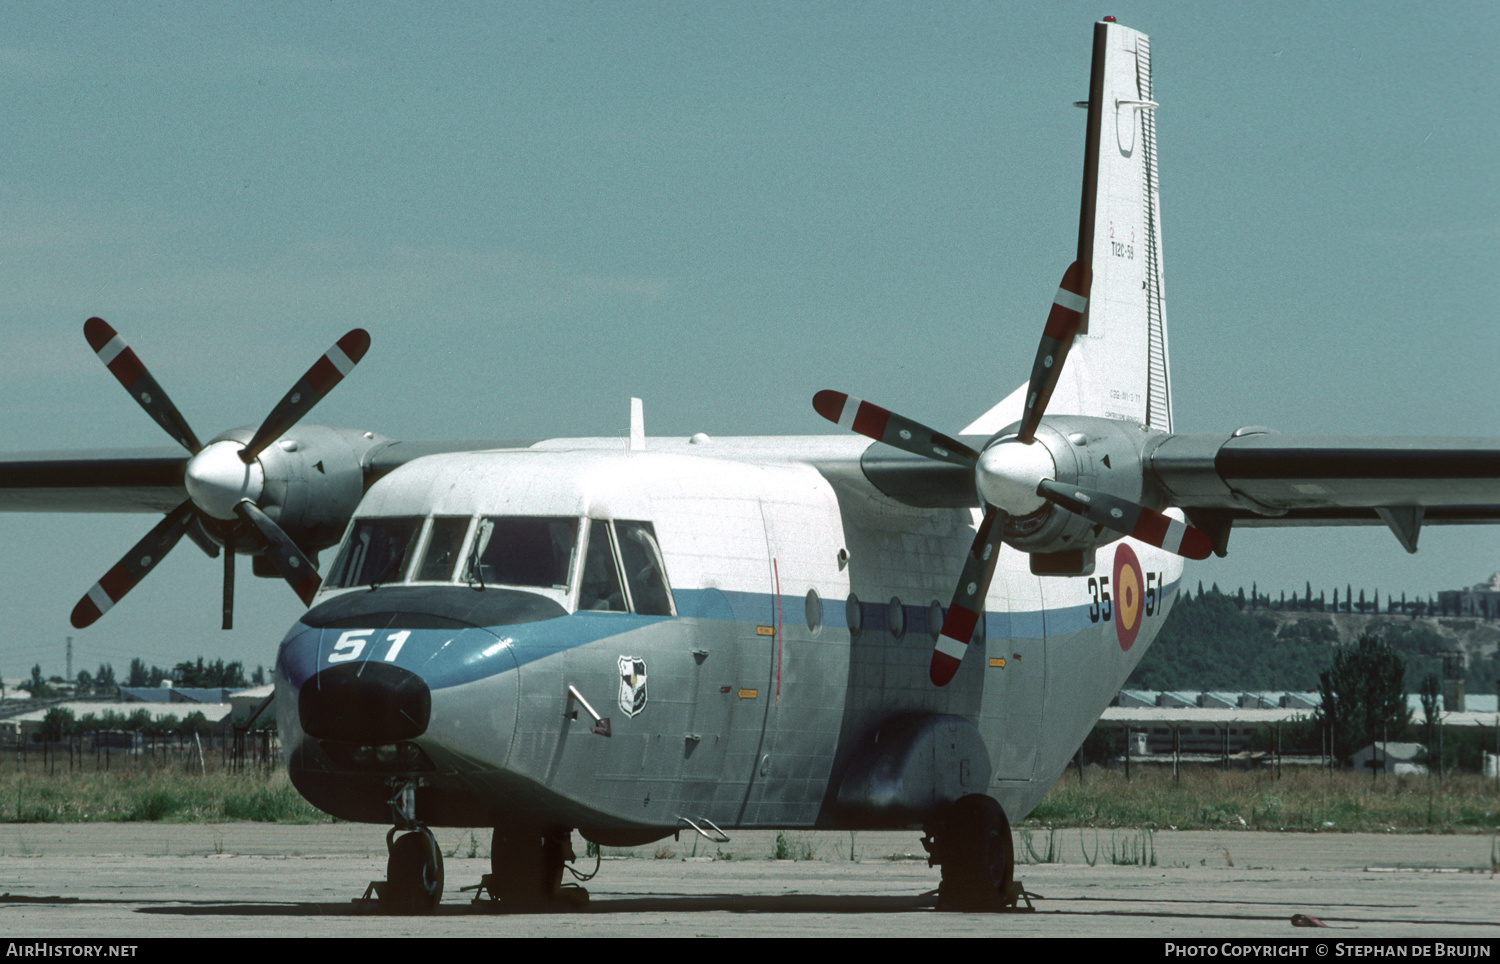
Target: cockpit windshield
{"type": "Point", "coordinates": [378, 551]}
{"type": "Point", "coordinates": [624, 570]}
{"type": "Point", "coordinates": [522, 551]}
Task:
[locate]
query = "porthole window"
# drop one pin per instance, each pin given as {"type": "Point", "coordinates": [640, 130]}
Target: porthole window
{"type": "Point", "coordinates": [895, 617]}
{"type": "Point", "coordinates": [814, 611]}
{"type": "Point", "coordinates": [851, 615]}
{"type": "Point", "coordinates": [935, 620]}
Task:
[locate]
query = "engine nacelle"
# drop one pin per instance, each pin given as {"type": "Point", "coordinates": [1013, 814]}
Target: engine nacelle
{"type": "Point", "coordinates": [313, 480]}
{"type": "Point", "coordinates": [1096, 453]}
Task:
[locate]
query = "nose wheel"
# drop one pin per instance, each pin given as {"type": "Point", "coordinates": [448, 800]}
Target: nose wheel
{"type": "Point", "coordinates": [413, 875]}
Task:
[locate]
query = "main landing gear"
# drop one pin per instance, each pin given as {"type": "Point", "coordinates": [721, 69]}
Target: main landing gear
{"type": "Point", "coordinates": [974, 848]}
{"type": "Point", "coordinates": [526, 869]}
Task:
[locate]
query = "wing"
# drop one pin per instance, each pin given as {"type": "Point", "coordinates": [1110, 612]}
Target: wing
{"type": "Point", "coordinates": [99, 480]}
{"type": "Point", "coordinates": [1266, 479]}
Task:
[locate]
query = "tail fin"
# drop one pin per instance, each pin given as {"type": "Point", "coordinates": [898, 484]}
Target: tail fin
{"type": "Point", "coordinates": [1118, 365]}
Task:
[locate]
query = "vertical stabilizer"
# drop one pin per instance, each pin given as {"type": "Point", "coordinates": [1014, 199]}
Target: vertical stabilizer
{"type": "Point", "coordinates": [1118, 365]}
{"type": "Point", "coordinates": [1123, 341]}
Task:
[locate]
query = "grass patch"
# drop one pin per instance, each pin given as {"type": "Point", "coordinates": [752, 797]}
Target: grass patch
{"type": "Point", "coordinates": [1311, 799]}
{"type": "Point", "coordinates": [154, 795]}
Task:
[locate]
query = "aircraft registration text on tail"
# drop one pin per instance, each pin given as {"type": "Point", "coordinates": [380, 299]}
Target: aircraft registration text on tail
{"type": "Point", "coordinates": [635, 638]}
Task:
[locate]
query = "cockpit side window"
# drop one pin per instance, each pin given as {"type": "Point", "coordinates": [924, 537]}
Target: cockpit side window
{"type": "Point", "coordinates": [600, 589]}
{"type": "Point", "coordinates": [522, 551]}
{"type": "Point", "coordinates": [378, 551]}
{"type": "Point", "coordinates": [443, 546]}
{"type": "Point", "coordinates": [645, 571]}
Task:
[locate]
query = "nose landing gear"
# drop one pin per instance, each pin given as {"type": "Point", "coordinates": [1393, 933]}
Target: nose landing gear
{"type": "Point", "coordinates": [414, 871]}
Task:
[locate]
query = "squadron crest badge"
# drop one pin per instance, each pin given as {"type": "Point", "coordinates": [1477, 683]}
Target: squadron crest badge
{"type": "Point", "coordinates": [632, 685]}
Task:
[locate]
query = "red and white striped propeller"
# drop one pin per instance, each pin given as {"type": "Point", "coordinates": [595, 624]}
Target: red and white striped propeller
{"type": "Point", "coordinates": [223, 479]}
{"type": "Point", "coordinates": [1012, 470]}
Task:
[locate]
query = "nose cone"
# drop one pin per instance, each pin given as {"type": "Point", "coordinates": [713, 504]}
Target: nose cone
{"type": "Point", "coordinates": [1009, 472]}
{"type": "Point", "coordinates": [217, 480]}
{"type": "Point", "coordinates": [365, 703]}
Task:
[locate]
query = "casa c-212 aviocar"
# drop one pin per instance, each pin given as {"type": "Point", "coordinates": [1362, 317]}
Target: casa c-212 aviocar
{"type": "Point", "coordinates": [633, 639]}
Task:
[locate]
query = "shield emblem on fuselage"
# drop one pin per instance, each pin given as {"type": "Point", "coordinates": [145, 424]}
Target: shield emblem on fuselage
{"type": "Point", "coordinates": [632, 685]}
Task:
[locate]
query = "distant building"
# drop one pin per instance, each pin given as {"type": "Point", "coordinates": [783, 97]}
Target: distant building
{"type": "Point", "coordinates": [1481, 601]}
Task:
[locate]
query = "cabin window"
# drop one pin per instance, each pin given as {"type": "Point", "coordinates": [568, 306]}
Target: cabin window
{"type": "Point", "coordinates": [443, 546]}
{"type": "Point", "coordinates": [600, 589]}
{"type": "Point", "coordinates": [895, 618]}
{"type": "Point", "coordinates": [853, 615]}
{"type": "Point", "coordinates": [522, 551]}
{"type": "Point", "coordinates": [645, 571]}
{"type": "Point", "coordinates": [378, 551]}
{"type": "Point", "coordinates": [814, 611]}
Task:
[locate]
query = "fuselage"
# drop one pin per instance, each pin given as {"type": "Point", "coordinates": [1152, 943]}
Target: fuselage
{"type": "Point", "coordinates": [745, 612]}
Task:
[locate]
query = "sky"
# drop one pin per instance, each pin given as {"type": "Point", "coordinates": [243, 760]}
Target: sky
{"type": "Point", "coordinates": [540, 210]}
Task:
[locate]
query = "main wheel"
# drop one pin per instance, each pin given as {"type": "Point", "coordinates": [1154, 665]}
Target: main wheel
{"type": "Point", "coordinates": [978, 855]}
{"type": "Point", "coordinates": [413, 876]}
{"type": "Point", "coordinates": [527, 864]}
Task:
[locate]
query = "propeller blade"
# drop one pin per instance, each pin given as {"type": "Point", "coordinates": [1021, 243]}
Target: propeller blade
{"type": "Point", "coordinates": [130, 570]}
{"type": "Point", "coordinates": [968, 598]}
{"type": "Point", "coordinates": [886, 426]}
{"type": "Point", "coordinates": [310, 389]}
{"type": "Point", "coordinates": [122, 362]}
{"type": "Point", "coordinates": [228, 580]}
{"type": "Point", "coordinates": [294, 567]}
{"type": "Point", "coordinates": [1068, 306]}
{"type": "Point", "coordinates": [1136, 521]}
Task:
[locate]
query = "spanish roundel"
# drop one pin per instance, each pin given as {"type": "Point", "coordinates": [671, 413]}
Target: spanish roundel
{"type": "Point", "coordinates": [1129, 585]}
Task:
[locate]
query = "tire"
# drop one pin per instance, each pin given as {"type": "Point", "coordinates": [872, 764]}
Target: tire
{"type": "Point", "coordinates": [413, 876]}
{"type": "Point", "coordinates": [978, 855]}
{"type": "Point", "coordinates": [526, 864]}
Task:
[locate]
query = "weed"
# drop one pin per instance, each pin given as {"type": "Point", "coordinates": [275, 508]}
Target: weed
{"type": "Point", "coordinates": [1032, 857]}
{"type": "Point", "coordinates": [1090, 859]}
{"type": "Point", "coordinates": [664, 852]}
{"type": "Point", "coordinates": [793, 848]}
{"type": "Point", "coordinates": [1133, 851]}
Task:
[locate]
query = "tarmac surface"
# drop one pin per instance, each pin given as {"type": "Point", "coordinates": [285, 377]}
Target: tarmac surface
{"type": "Point", "coordinates": [255, 880]}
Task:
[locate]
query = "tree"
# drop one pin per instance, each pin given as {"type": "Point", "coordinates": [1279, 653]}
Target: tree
{"type": "Point", "coordinates": [57, 724]}
{"type": "Point", "coordinates": [1430, 713]}
{"type": "Point", "coordinates": [1363, 698]}
{"type": "Point", "coordinates": [138, 673]}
